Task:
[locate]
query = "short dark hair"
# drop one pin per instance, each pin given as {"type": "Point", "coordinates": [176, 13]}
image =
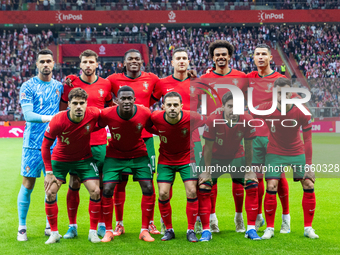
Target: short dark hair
{"type": "Point", "coordinates": [221, 44]}
{"type": "Point", "coordinates": [281, 82]}
{"type": "Point", "coordinates": [173, 94]}
{"type": "Point", "coordinates": [226, 97]}
{"type": "Point", "coordinates": [263, 46]}
{"type": "Point", "coordinates": [127, 52]}
{"type": "Point", "coordinates": [88, 53]}
{"type": "Point", "coordinates": [178, 50]}
{"type": "Point", "coordinates": [125, 88]}
{"type": "Point", "coordinates": [77, 92]}
{"type": "Point", "coordinates": [45, 52]}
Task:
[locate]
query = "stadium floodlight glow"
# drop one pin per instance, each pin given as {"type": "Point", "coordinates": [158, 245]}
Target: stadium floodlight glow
{"type": "Point", "coordinates": [238, 107]}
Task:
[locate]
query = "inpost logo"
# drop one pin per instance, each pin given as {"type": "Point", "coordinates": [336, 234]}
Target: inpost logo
{"type": "Point", "coordinates": [263, 16]}
{"type": "Point", "coordinates": [60, 17]}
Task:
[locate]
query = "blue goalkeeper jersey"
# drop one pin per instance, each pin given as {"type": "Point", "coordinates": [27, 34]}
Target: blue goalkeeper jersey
{"type": "Point", "coordinates": [45, 98]}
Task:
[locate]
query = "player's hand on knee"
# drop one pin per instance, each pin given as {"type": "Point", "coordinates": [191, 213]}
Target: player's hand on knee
{"type": "Point", "coordinates": [204, 177]}
{"type": "Point", "coordinates": [49, 180]}
{"type": "Point", "coordinates": [250, 176]}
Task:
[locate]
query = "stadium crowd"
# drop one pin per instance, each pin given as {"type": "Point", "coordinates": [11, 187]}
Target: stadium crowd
{"type": "Point", "coordinates": [165, 4]}
{"type": "Point", "coordinates": [315, 48]}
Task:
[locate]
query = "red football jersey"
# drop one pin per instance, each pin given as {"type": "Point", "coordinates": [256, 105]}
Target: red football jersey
{"type": "Point", "coordinates": [285, 140]}
{"type": "Point", "coordinates": [73, 142]}
{"type": "Point", "coordinates": [188, 93]}
{"type": "Point", "coordinates": [143, 86]}
{"type": "Point", "coordinates": [176, 147]}
{"type": "Point", "coordinates": [234, 77]}
{"type": "Point", "coordinates": [227, 140]}
{"type": "Point", "coordinates": [99, 93]}
{"type": "Point", "coordinates": [263, 92]}
{"type": "Point", "coordinates": [126, 135]}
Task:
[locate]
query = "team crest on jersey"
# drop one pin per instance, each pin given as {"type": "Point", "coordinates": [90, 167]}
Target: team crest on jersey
{"type": "Point", "coordinates": [48, 129]}
{"type": "Point", "coordinates": [206, 128]}
{"type": "Point", "coordinates": [269, 86]}
{"type": "Point", "coordinates": [192, 89]}
{"type": "Point", "coordinates": [146, 86]}
{"type": "Point", "coordinates": [58, 92]}
{"type": "Point", "coordinates": [87, 128]}
{"type": "Point", "coordinates": [239, 134]}
{"type": "Point", "coordinates": [27, 169]}
{"type": "Point", "coordinates": [235, 81]}
{"type": "Point", "coordinates": [23, 95]}
{"type": "Point", "coordinates": [101, 92]}
{"type": "Point", "coordinates": [139, 127]}
{"type": "Point", "coordinates": [184, 131]}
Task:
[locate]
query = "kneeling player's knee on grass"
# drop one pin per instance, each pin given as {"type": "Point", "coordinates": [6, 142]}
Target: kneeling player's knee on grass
{"type": "Point", "coordinates": [307, 184]}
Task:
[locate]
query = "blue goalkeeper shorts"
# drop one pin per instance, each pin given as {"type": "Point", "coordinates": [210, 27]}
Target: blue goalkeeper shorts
{"type": "Point", "coordinates": [31, 163]}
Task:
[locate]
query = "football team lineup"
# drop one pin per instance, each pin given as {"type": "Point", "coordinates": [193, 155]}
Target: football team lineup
{"type": "Point", "coordinates": [71, 119]}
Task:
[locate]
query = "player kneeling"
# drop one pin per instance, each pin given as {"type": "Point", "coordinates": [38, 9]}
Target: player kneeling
{"type": "Point", "coordinates": [127, 151]}
{"type": "Point", "coordinates": [72, 152]}
{"type": "Point", "coordinates": [174, 127]}
{"type": "Point", "coordinates": [285, 148]}
{"type": "Point", "coordinates": [223, 134]}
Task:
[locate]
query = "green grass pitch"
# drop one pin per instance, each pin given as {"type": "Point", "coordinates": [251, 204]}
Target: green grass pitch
{"type": "Point", "coordinates": [326, 149]}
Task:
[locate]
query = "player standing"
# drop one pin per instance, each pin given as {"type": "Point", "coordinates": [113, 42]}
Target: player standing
{"type": "Point", "coordinates": [262, 82]}
{"type": "Point", "coordinates": [223, 148]}
{"type": "Point", "coordinates": [285, 148]}
{"type": "Point", "coordinates": [99, 95]}
{"type": "Point", "coordinates": [179, 82]}
{"type": "Point", "coordinates": [221, 52]}
{"type": "Point", "coordinates": [39, 98]}
{"type": "Point", "coordinates": [176, 154]}
{"type": "Point", "coordinates": [127, 150]}
{"type": "Point", "coordinates": [73, 151]}
{"type": "Point", "coordinates": [143, 84]}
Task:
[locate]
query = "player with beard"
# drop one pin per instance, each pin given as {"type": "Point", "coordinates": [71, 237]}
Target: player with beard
{"type": "Point", "coordinates": [179, 82]}
{"type": "Point", "coordinates": [284, 149]}
{"type": "Point", "coordinates": [262, 82]}
{"type": "Point", "coordinates": [99, 95]}
{"type": "Point", "coordinates": [221, 52]}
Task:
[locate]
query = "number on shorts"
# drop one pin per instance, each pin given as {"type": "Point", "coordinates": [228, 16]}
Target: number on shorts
{"type": "Point", "coordinates": [95, 168]}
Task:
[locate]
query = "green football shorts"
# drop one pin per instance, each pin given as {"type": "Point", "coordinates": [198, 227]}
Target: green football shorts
{"type": "Point", "coordinates": [86, 169]}
{"type": "Point", "coordinates": [114, 167]}
{"type": "Point", "coordinates": [166, 173]}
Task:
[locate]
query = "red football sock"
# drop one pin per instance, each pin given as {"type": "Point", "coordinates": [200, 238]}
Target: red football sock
{"type": "Point", "coordinates": [51, 209]}
{"type": "Point", "coordinates": [119, 200]}
{"type": "Point", "coordinates": [238, 193]}
{"type": "Point", "coordinates": [213, 197]}
{"type": "Point", "coordinates": [270, 205]}
{"type": "Point", "coordinates": [204, 207]}
{"type": "Point", "coordinates": [166, 212]}
{"type": "Point", "coordinates": [308, 205]}
{"type": "Point", "coordinates": [260, 195]}
{"type": "Point", "coordinates": [107, 210]}
{"type": "Point", "coordinates": [147, 207]}
{"type": "Point", "coordinates": [192, 211]}
{"type": "Point", "coordinates": [154, 200]}
{"type": "Point", "coordinates": [251, 204]}
{"type": "Point", "coordinates": [101, 216]}
{"type": "Point", "coordinates": [94, 211]}
{"type": "Point", "coordinates": [72, 200]}
{"type": "Point", "coordinates": [283, 191]}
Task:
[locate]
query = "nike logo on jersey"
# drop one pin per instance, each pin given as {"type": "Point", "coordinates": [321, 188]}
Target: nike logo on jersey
{"type": "Point", "coordinates": [161, 131]}
{"type": "Point", "coordinates": [252, 82]}
{"type": "Point", "coordinates": [167, 90]}
{"type": "Point", "coordinates": [220, 133]}
{"type": "Point", "coordinates": [114, 128]}
{"type": "Point", "coordinates": [64, 133]}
